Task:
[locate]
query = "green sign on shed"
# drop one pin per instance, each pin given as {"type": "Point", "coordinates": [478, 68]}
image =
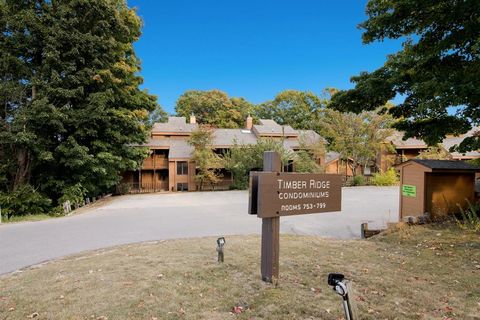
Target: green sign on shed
{"type": "Point", "coordinates": [409, 190]}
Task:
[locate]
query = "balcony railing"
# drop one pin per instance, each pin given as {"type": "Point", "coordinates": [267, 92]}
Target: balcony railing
{"type": "Point", "coordinates": [144, 187]}
{"type": "Point", "coordinates": [155, 162]}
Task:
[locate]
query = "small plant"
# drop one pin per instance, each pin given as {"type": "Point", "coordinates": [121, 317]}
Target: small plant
{"type": "Point", "coordinates": [470, 219]}
{"type": "Point", "coordinates": [358, 181]}
{"type": "Point", "coordinates": [387, 178]}
{"type": "Point", "coordinates": [123, 188]}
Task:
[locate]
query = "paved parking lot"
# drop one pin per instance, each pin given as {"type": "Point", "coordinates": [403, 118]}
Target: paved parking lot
{"type": "Point", "coordinates": [147, 217]}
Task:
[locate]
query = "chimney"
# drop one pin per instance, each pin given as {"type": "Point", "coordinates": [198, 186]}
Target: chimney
{"type": "Point", "coordinates": [249, 123]}
{"type": "Point", "coordinates": [193, 119]}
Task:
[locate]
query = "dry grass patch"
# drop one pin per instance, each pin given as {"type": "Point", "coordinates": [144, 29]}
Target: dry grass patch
{"type": "Point", "coordinates": [415, 273]}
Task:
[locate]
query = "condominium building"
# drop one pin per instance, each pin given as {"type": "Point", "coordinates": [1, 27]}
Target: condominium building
{"type": "Point", "coordinates": [170, 166]}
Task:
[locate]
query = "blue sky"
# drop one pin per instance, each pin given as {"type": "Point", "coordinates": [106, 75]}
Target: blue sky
{"type": "Point", "coordinates": [252, 49]}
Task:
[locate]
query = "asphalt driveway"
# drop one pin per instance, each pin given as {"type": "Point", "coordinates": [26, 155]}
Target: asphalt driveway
{"type": "Point", "coordinates": [137, 218]}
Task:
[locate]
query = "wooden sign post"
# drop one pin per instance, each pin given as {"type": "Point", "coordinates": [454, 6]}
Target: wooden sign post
{"type": "Point", "coordinates": [270, 227]}
{"type": "Point", "coordinates": [274, 194]}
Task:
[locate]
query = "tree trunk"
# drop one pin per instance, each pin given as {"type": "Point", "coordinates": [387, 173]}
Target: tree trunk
{"type": "Point", "coordinates": [23, 160]}
{"type": "Point", "coordinates": [353, 166]}
{"type": "Point", "coordinates": [34, 92]}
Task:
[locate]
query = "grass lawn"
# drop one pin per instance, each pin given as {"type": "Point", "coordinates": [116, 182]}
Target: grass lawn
{"type": "Point", "coordinates": [423, 272]}
{"type": "Point", "coordinates": [31, 217]}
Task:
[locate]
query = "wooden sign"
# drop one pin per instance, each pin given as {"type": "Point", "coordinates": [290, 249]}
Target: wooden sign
{"type": "Point", "coordinates": [274, 194]}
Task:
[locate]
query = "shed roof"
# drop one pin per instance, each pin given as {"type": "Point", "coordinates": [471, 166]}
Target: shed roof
{"type": "Point", "coordinates": [443, 165]}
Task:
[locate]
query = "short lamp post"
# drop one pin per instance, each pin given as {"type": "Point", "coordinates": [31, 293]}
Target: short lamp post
{"type": "Point", "coordinates": [343, 287]}
{"type": "Point", "coordinates": [220, 244]}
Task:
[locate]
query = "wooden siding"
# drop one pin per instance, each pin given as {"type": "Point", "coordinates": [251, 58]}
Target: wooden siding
{"type": "Point", "coordinates": [412, 174]}
{"type": "Point", "coordinates": [341, 167]}
{"type": "Point", "coordinates": [191, 176]}
{"type": "Point", "coordinates": [155, 162]}
{"type": "Point", "coordinates": [175, 179]}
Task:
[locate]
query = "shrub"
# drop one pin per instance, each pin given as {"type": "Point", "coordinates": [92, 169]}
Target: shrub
{"type": "Point", "coordinates": [123, 188]}
{"type": "Point", "coordinates": [75, 194]}
{"type": "Point", "coordinates": [470, 219]}
{"type": "Point", "coordinates": [388, 178]}
{"type": "Point", "coordinates": [24, 201]}
{"type": "Point", "coordinates": [358, 181]}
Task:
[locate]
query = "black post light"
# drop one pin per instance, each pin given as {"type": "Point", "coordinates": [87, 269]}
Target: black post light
{"type": "Point", "coordinates": [342, 287]}
{"type": "Point", "coordinates": [220, 243]}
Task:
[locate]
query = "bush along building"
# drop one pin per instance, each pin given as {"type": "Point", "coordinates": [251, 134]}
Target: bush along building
{"type": "Point", "coordinates": [170, 166]}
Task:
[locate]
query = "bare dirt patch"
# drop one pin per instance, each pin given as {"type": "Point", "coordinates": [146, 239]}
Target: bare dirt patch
{"type": "Point", "coordinates": [415, 273]}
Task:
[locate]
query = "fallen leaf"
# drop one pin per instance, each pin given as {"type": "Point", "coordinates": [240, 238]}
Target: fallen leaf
{"type": "Point", "coordinates": [237, 309]}
{"type": "Point", "coordinates": [316, 290]}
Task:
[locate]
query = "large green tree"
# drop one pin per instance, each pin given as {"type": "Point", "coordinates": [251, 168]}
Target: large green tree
{"type": "Point", "coordinates": [70, 97]}
{"type": "Point", "coordinates": [299, 109]}
{"type": "Point", "coordinates": [437, 70]}
{"type": "Point", "coordinates": [214, 108]}
{"type": "Point", "coordinates": [240, 159]}
{"type": "Point", "coordinates": [357, 137]}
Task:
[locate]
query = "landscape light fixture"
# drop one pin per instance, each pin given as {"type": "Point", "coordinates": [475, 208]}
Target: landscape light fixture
{"type": "Point", "coordinates": [341, 286]}
{"type": "Point", "coordinates": [220, 244]}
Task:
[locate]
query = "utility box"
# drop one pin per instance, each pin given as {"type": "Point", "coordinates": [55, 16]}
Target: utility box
{"type": "Point", "coordinates": [435, 187]}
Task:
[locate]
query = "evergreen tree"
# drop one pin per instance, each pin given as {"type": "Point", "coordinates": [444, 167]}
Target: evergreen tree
{"type": "Point", "coordinates": [71, 103]}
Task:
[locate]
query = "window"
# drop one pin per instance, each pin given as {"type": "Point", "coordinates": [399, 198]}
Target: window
{"type": "Point", "coordinates": [288, 167]}
{"type": "Point", "coordinates": [182, 168]}
{"type": "Point", "coordinates": [182, 186]}
{"type": "Point", "coordinates": [367, 171]}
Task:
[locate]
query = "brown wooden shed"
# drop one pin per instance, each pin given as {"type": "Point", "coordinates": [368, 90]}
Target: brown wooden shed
{"type": "Point", "coordinates": [435, 187]}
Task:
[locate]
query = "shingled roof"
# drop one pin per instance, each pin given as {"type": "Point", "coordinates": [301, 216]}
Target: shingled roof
{"type": "Point", "coordinates": [445, 164]}
{"type": "Point", "coordinates": [447, 143]}
{"type": "Point", "coordinates": [174, 125]}
{"type": "Point", "coordinates": [172, 135]}
{"type": "Point", "coordinates": [271, 128]}
{"type": "Point", "coordinates": [227, 137]}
